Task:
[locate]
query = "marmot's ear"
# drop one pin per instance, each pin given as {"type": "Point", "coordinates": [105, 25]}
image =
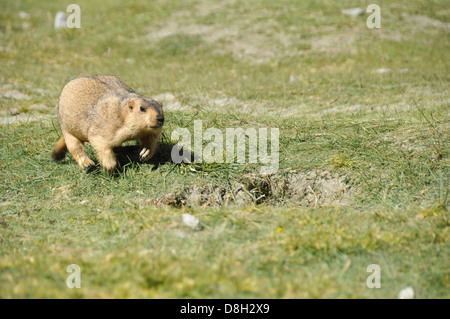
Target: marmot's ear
{"type": "Point", "coordinates": [131, 103]}
{"type": "Point", "coordinates": [159, 103]}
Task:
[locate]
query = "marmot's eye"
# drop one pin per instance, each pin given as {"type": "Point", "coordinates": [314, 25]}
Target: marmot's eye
{"type": "Point", "coordinates": [142, 109]}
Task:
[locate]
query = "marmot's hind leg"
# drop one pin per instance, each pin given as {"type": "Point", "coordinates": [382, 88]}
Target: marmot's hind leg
{"type": "Point", "coordinates": [76, 148]}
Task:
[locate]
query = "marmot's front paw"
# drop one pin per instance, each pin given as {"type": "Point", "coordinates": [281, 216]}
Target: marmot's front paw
{"type": "Point", "coordinates": [144, 155]}
{"type": "Point", "coordinates": [86, 163]}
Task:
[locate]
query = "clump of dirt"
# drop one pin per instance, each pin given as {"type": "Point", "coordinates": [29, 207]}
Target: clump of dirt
{"type": "Point", "coordinates": [171, 199]}
{"type": "Point", "coordinates": [320, 188]}
{"type": "Point", "coordinates": [308, 189]}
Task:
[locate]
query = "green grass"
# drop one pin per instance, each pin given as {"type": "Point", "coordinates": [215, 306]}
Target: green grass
{"type": "Point", "coordinates": [364, 157]}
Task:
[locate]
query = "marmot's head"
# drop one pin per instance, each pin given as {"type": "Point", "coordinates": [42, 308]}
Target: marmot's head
{"type": "Point", "coordinates": [145, 113]}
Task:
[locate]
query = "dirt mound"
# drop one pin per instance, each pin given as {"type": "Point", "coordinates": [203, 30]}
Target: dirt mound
{"type": "Point", "coordinates": [308, 189]}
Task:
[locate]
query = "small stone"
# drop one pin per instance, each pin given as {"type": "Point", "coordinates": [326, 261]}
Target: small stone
{"type": "Point", "coordinates": [192, 222]}
{"type": "Point", "coordinates": [382, 71]}
{"type": "Point", "coordinates": [60, 20]}
{"type": "Point", "coordinates": [406, 293]}
{"type": "Point", "coordinates": [24, 15]}
{"type": "Point", "coordinates": [292, 79]}
{"type": "Point", "coordinates": [14, 94]}
{"type": "Point", "coordinates": [353, 12]}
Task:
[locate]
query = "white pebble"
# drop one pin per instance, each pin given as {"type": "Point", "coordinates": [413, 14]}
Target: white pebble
{"type": "Point", "coordinates": [384, 71]}
{"type": "Point", "coordinates": [60, 20]}
{"type": "Point", "coordinates": [406, 293]}
{"type": "Point", "coordinates": [353, 11]}
{"type": "Point", "coordinates": [24, 15]}
{"type": "Point", "coordinates": [191, 221]}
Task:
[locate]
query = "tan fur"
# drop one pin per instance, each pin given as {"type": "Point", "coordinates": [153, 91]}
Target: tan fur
{"type": "Point", "coordinates": [105, 112]}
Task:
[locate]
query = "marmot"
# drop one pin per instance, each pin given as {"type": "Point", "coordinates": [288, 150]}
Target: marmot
{"type": "Point", "coordinates": [105, 112]}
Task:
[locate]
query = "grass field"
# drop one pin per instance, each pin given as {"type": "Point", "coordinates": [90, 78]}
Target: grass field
{"type": "Point", "coordinates": [363, 172]}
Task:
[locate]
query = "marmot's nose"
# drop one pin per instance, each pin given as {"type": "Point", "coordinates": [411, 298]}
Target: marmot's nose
{"type": "Point", "coordinates": [160, 120]}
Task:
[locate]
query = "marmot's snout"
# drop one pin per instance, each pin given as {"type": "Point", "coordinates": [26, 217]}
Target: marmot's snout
{"type": "Point", "coordinates": [157, 107]}
{"type": "Point", "coordinates": [156, 111]}
{"type": "Point", "coordinates": [160, 120]}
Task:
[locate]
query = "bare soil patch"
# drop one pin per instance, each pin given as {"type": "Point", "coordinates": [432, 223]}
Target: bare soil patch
{"type": "Point", "coordinates": [306, 189]}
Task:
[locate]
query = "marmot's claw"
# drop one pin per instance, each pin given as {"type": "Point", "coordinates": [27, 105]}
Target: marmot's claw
{"type": "Point", "coordinates": [144, 155]}
{"type": "Point", "coordinates": [87, 163]}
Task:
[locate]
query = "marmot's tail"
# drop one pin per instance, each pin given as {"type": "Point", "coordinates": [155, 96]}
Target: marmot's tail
{"type": "Point", "coordinates": [60, 150]}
